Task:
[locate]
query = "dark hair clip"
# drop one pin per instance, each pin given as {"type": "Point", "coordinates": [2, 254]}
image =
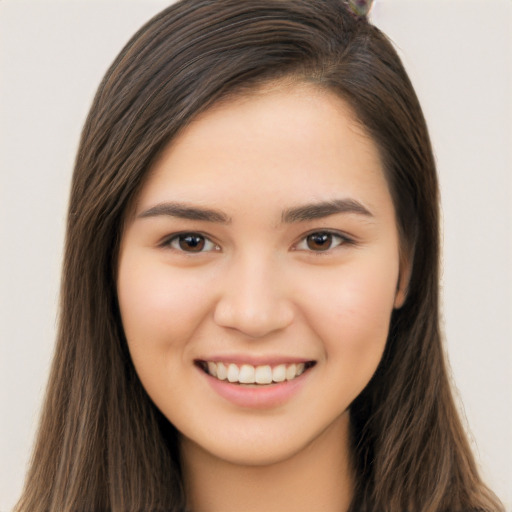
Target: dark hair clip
{"type": "Point", "coordinates": [360, 8]}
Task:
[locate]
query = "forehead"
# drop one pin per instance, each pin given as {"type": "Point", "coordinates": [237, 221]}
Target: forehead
{"type": "Point", "coordinates": [291, 143]}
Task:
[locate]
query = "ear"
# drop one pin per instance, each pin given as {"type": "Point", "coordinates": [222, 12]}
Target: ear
{"type": "Point", "coordinates": [404, 276]}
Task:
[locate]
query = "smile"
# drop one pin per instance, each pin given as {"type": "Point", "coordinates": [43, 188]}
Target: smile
{"type": "Point", "coordinates": [249, 374]}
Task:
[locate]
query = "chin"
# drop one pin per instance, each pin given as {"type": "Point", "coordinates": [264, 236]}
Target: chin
{"type": "Point", "coordinates": [264, 446]}
{"type": "Point", "coordinates": [251, 454]}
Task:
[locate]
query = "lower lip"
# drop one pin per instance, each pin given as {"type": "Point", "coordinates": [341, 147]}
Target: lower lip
{"type": "Point", "coordinates": [258, 397]}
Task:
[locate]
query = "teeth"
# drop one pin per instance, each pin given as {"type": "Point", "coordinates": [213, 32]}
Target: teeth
{"type": "Point", "coordinates": [263, 375]}
{"type": "Point", "coordinates": [279, 373]}
{"type": "Point", "coordinates": [291, 371]}
{"type": "Point", "coordinates": [222, 372]}
{"type": "Point", "coordinates": [212, 368]}
{"type": "Point", "coordinates": [248, 374]}
{"type": "Point", "coordinates": [233, 373]}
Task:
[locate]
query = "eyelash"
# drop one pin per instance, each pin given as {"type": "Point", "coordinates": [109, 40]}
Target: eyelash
{"type": "Point", "coordinates": [342, 240]}
{"type": "Point", "coordinates": [174, 241]}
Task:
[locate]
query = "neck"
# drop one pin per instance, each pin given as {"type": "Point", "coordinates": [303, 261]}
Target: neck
{"type": "Point", "coordinates": [318, 477]}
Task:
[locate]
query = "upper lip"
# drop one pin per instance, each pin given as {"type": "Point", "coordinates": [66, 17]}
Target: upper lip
{"type": "Point", "coordinates": [253, 360]}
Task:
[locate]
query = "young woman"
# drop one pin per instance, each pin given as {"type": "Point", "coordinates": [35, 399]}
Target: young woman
{"type": "Point", "coordinates": [250, 293]}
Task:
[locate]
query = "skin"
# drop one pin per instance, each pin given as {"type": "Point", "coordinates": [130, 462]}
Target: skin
{"type": "Point", "coordinates": [260, 289]}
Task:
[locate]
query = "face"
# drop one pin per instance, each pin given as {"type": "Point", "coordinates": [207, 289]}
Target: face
{"type": "Point", "coordinates": [258, 272]}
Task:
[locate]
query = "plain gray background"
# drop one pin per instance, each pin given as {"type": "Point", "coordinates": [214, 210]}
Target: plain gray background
{"type": "Point", "coordinates": [459, 56]}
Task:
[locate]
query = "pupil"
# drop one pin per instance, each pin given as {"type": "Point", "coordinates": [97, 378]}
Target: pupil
{"type": "Point", "coordinates": [319, 241]}
{"type": "Point", "coordinates": [192, 243]}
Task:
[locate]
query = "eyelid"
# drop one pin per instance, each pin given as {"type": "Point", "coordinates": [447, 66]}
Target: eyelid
{"type": "Point", "coordinates": [167, 241]}
{"type": "Point", "coordinates": [344, 240]}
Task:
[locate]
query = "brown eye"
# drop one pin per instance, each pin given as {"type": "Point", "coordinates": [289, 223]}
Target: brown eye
{"type": "Point", "coordinates": [322, 241]}
{"type": "Point", "coordinates": [319, 241]}
{"type": "Point", "coordinates": [192, 243]}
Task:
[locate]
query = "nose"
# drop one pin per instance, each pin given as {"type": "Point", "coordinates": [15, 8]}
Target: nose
{"type": "Point", "coordinates": [255, 299]}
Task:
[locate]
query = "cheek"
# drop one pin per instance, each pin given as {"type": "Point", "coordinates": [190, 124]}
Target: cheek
{"type": "Point", "coordinates": [352, 314]}
{"type": "Point", "coordinates": [159, 305]}
{"type": "Point", "coordinates": [161, 308]}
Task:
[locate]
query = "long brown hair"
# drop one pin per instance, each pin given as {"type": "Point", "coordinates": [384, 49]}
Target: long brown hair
{"type": "Point", "coordinates": [102, 444]}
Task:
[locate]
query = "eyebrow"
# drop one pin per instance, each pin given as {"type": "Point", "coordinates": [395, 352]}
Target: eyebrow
{"type": "Point", "coordinates": [296, 214]}
{"type": "Point", "coordinates": [185, 211]}
{"type": "Point", "coordinates": [324, 209]}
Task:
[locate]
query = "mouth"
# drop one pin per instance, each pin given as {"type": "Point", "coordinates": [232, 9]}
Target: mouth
{"type": "Point", "coordinates": [249, 375]}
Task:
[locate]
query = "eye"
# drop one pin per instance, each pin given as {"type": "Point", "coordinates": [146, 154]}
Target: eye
{"type": "Point", "coordinates": [321, 241]}
{"type": "Point", "coordinates": [191, 242]}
